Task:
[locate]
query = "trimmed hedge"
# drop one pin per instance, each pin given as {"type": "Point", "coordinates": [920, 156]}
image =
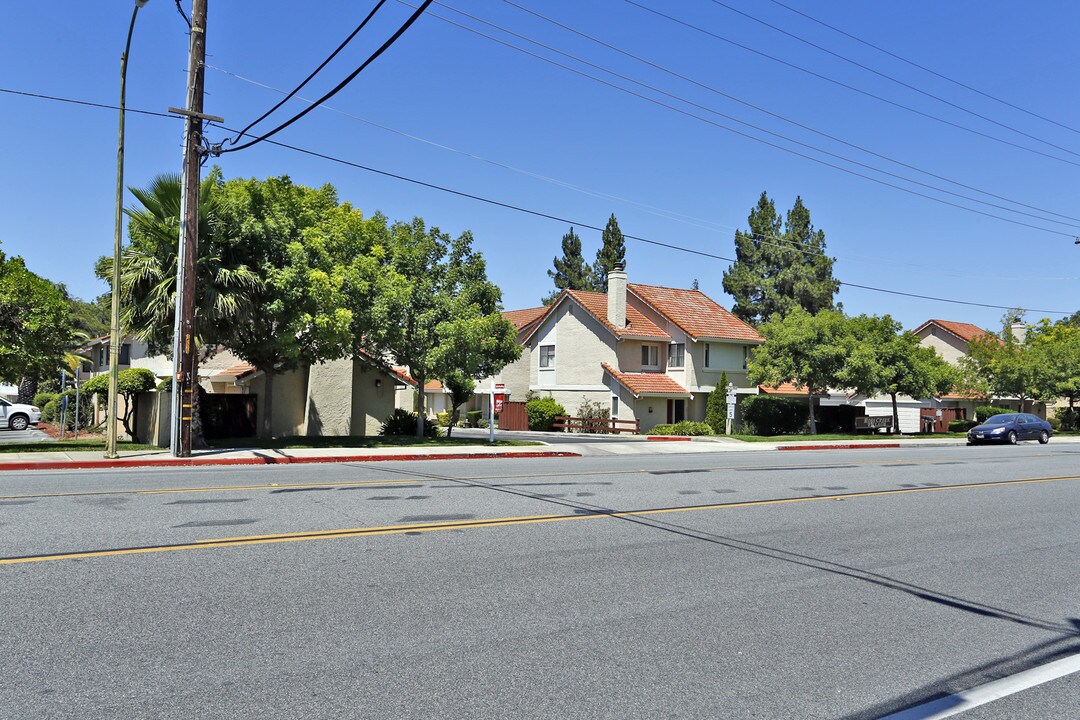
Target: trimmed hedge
{"type": "Point", "coordinates": [542, 412]}
{"type": "Point", "coordinates": [769, 415]}
{"type": "Point", "coordinates": [53, 409]}
{"type": "Point", "coordinates": [43, 398]}
{"type": "Point", "coordinates": [473, 417]}
{"type": "Point", "coordinates": [686, 427]}
{"type": "Point", "coordinates": [962, 425]}
{"type": "Point", "coordinates": [985, 412]}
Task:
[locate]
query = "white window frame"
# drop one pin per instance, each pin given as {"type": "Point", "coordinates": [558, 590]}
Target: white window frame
{"type": "Point", "coordinates": [707, 363]}
{"type": "Point", "coordinates": [650, 352]}
{"type": "Point", "coordinates": [615, 407]}
{"type": "Point", "coordinates": [680, 353]}
{"type": "Point", "coordinates": [550, 359]}
{"type": "Point", "coordinates": [745, 356]}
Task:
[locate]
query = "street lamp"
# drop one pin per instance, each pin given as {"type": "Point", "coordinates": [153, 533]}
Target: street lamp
{"type": "Point", "coordinates": [115, 337]}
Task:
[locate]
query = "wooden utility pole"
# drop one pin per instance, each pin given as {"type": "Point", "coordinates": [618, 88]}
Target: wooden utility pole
{"type": "Point", "coordinates": [185, 361]}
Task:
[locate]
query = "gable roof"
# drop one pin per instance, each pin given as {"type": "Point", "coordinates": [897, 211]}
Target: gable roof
{"type": "Point", "coordinates": [521, 319]}
{"type": "Point", "coordinates": [238, 371]}
{"type": "Point", "coordinates": [642, 383]}
{"type": "Point", "coordinates": [965, 331]}
{"type": "Point", "coordinates": [695, 313]}
{"type": "Point", "coordinates": [637, 325]}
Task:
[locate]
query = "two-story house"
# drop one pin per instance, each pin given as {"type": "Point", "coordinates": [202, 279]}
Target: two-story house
{"type": "Point", "coordinates": [647, 353]}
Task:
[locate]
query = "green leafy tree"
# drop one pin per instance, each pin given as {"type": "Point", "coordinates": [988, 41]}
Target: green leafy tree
{"type": "Point", "coordinates": [1008, 367]}
{"type": "Point", "coordinates": [716, 407]}
{"type": "Point", "coordinates": [571, 271]}
{"type": "Point", "coordinates": [883, 359]}
{"type": "Point", "coordinates": [612, 252]}
{"type": "Point", "coordinates": [443, 315]}
{"type": "Point", "coordinates": [804, 349]}
{"type": "Point", "coordinates": [35, 322]}
{"type": "Point", "coordinates": [1057, 349]}
{"type": "Point", "coordinates": [129, 384]}
{"type": "Point", "coordinates": [776, 271]}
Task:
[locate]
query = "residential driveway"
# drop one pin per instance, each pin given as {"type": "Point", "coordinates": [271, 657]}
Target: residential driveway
{"type": "Point", "coordinates": [547, 437]}
{"type": "Point", "coordinates": [30, 434]}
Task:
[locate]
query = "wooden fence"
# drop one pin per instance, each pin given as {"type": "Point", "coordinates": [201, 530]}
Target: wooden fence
{"type": "Point", "coordinates": [602, 426]}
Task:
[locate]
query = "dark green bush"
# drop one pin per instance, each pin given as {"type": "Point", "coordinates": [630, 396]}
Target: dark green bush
{"type": "Point", "coordinates": [403, 422]}
{"type": "Point", "coordinates": [769, 415]}
{"type": "Point", "coordinates": [472, 417]}
{"type": "Point", "coordinates": [1068, 418]}
{"type": "Point", "coordinates": [42, 399]}
{"type": "Point", "coordinates": [962, 425]}
{"type": "Point", "coordinates": [686, 428]}
{"type": "Point", "coordinates": [663, 429]}
{"type": "Point", "coordinates": [542, 412]}
{"type": "Point", "coordinates": [984, 412]}
{"type": "Point", "coordinates": [52, 410]}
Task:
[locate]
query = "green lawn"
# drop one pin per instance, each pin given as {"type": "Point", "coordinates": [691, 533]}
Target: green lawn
{"type": "Point", "coordinates": [843, 436]}
{"type": "Point", "coordinates": [351, 441]}
{"type": "Point", "coordinates": [72, 445]}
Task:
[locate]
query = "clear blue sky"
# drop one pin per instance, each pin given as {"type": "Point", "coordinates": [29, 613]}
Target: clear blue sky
{"type": "Point", "coordinates": [456, 89]}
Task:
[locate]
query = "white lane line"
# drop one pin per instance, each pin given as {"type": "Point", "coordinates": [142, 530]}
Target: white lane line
{"type": "Point", "coordinates": [962, 701]}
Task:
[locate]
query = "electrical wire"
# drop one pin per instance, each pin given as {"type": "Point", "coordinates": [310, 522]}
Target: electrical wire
{"type": "Point", "coordinates": [890, 78]}
{"type": "Point", "coordinates": [769, 143]}
{"type": "Point", "coordinates": [842, 84]}
{"type": "Point", "coordinates": [515, 208]}
{"type": "Point", "coordinates": [778, 116]}
{"type": "Point", "coordinates": [183, 14]}
{"type": "Point", "coordinates": [382, 48]}
{"type": "Point", "coordinates": [914, 64]}
{"type": "Point", "coordinates": [314, 72]}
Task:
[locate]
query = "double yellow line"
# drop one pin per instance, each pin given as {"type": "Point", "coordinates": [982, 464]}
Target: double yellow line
{"type": "Point", "coordinates": [416, 528]}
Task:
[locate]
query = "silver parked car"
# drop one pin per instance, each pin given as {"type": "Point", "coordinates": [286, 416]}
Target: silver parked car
{"type": "Point", "coordinates": [18, 417]}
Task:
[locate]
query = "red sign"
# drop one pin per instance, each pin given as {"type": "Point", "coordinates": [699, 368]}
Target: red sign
{"type": "Point", "coordinates": [499, 403]}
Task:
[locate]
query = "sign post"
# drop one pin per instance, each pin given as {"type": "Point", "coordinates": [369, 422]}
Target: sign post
{"type": "Point", "coordinates": [729, 400]}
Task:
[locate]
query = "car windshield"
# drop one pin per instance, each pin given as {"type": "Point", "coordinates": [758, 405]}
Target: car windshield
{"type": "Point", "coordinates": [1000, 420]}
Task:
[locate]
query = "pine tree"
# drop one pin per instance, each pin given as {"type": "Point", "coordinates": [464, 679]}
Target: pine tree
{"type": "Point", "coordinates": [716, 407]}
{"type": "Point", "coordinates": [694, 285]}
{"type": "Point", "coordinates": [776, 271]}
{"type": "Point", "coordinates": [612, 252]}
{"type": "Point", "coordinates": [571, 271]}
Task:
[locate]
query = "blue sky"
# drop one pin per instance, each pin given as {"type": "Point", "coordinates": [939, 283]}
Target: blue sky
{"type": "Point", "coordinates": [665, 175]}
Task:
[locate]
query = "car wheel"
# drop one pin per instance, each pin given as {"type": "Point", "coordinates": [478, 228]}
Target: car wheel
{"type": "Point", "coordinates": [19, 422]}
{"type": "Point", "coordinates": [1044, 437]}
{"type": "Point", "coordinates": [1012, 437]}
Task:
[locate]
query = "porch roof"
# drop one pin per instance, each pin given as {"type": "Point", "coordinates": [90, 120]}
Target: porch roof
{"type": "Point", "coordinates": [640, 383]}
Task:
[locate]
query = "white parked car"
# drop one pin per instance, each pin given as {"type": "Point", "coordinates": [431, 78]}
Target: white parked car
{"type": "Point", "coordinates": [18, 417]}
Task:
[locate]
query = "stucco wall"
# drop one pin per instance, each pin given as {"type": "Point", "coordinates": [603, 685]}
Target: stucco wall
{"type": "Point", "coordinates": [152, 415]}
{"type": "Point", "coordinates": [287, 412]}
{"type": "Point", "coordinates": [347, 397]}
{"type": "Point", "coordinates": [947, 345]}
{"type": "Point", "coordinates": [581, 344]}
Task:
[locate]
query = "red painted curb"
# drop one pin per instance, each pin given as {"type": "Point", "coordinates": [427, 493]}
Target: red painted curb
{"type": "Point", "coordinates": [197, 462]}
{"type": "Point", "coordinates": [668, 438]}
{"type": "Point", "coordinates": [837, 447]}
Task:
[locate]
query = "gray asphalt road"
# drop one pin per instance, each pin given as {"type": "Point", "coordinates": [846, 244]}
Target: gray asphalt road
{"type": "Point", "coordinates": [764, 585]}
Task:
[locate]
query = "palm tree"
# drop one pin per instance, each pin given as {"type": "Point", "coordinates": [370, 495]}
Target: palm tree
{"type": "Point", "coordinates": [224, 283]}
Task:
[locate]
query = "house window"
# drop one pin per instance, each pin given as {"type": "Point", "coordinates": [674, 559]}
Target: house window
{"type": "Point", "coordinates": [676, 355]}
{"type": "Point", "coordinates": [707, 363]}
{"type": "Point", "coordinates": [650, 356]}
{"type": "Point", "coordinates": [103, 361]}
{"type": "Point", "coordinates": [125, 354]}
{"type": "Point", "coordinates": [745, 356]}
{"type": "Point", "coordinates": [615, 406]}
{"type": "Point", "coordinates": [547, 356]}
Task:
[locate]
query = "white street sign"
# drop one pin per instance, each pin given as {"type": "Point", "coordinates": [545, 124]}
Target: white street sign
{"type": "Point", "coordinates": [731, 411]}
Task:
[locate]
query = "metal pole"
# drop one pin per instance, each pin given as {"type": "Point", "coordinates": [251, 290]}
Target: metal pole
{"type": "Point", "coordinates": [115, 337]}
{"type": "Point", "coordinates": [185, 375]}
{"type": "Point", "coordinates": [63, 402]}
{"type": "Point", "coordinates": [76, 374]}
{"type": "Point", "coordinates": [491, 414]}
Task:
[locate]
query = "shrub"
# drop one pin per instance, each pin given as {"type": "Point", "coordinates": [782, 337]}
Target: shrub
{"type": "Point", "coordinates": [472, 417]}
{"type": "Point", "coordinates": [542, 412]}
{"type": "Point", "coordinates": [53, 410]}
{"type": "Point", "coordinates": [43, 398]}
{"type": "Point", "coordinates": [483, 423]}
{"type": "Point", "coordinates": [716, 406]}
{"type": "Point", "coordinates": [984, 412]}
{"type": "Point", "coordinates": [403, 422]}
{"type": "Point", "coordinates": [686, 427]}
{"type": "Point", "coordinates": [443, 418]}
{"type": "Point", "coordinates": [663, 429]}
{"type": "Point", "coordinates": [768, 415]}
{"type": "Point", "coordinates": [962, 425]}
{"type": "Point", "coordinates": [1068, 418]}
{"type": "Point", "coordinates": [591, 410]}
{"type": "Point", "coordinates": [1055, 423]}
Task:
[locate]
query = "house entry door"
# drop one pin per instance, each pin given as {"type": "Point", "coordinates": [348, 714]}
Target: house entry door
{"type": "Point", "coordinates": [676, 411]}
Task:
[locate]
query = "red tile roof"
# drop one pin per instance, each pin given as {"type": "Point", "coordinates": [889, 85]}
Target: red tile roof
{"type": "Point", "coordinates": [237, 371]}
{"type": "Point", "coordinates": [523, 318]}
{"type": "Point", "coordinates": [637, 325]}
{"type": "Point", "coordinates": [433, 386]}
{"type": "Point", "coordinates": [784, 389]}
{"type": "Point", "coordinates": [964, 331]}
{"type": "Point", "coordinates": [641, 383]}
{"type": "Point", "coordinates": [698, 315]}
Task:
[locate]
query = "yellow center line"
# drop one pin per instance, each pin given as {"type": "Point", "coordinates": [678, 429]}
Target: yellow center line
{"type": "Point", "coordinates": [222, 488]}
{"type": "Point", "coordinates": [498, 522]}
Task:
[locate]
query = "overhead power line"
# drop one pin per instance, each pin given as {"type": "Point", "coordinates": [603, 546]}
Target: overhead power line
{"type": "Point", "coordinates": [914, 64]}
{"type": "Point", "coordinates": [316, 71]}
{"type": "Point", "coordinates": [773, 144]}
{"type": "Point", "coordinates": [665, 213]}
{"type": "Point", "coordinates": [890, 78]}
{"type": "Point", "coordinates": [348, 79]}
{"type": "Point", "coordinates": [518, 208]}
{"type": "Point", "coordinates": [788, 120]}
{"type": "Point", "coordinates": [842, 84]}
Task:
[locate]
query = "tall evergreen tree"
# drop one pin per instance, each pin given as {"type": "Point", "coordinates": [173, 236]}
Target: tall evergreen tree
{"type": "Point", "coordinates": [776, 271]}
{"type": "Point", "coordinates": [612, 252]}
{"type": "Point", "coordinates": [571, 271]}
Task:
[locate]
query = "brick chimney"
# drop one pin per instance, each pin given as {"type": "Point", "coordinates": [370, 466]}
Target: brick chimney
{"type": "Point", "coordinates": [616, 296]}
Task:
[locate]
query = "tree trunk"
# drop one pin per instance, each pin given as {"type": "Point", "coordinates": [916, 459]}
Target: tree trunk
{"type": "Point", "coordinates": [813, 420]}
{"type": "Point", "coordinates": [129, 409]}
{"type": "Point", "coordinates": [895, 415]}
{"type": "Point", "coordinates": [27, 390]}
{"type": "Point", "coordinates": [268, 406]}
{"type": "Point", "coordinates": [198, 440]}
{"type": "Point", "coordinates": [453, 421]}
{"type": "Point", "coordinates": [421, 398]}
